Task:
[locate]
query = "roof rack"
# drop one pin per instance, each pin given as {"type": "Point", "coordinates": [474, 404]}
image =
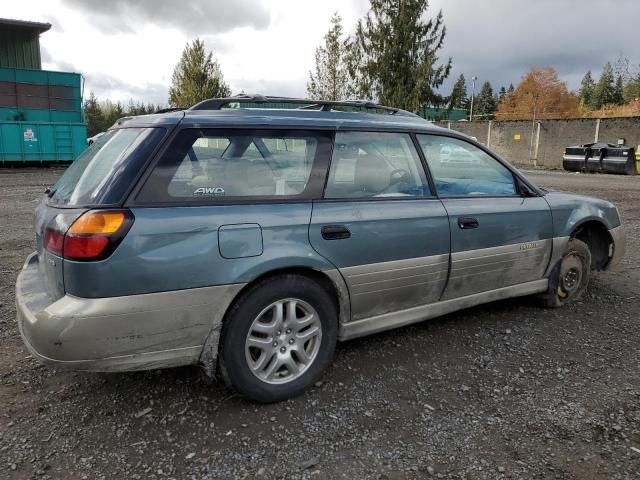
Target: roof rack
{"type": "Point", "coordinates": [323, 105]}
{"type": "Point", "coordinates": [169, 109]}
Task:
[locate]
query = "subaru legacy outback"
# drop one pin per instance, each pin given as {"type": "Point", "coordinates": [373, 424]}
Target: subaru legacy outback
{"type": "Point", "coordinates": [249, 238]}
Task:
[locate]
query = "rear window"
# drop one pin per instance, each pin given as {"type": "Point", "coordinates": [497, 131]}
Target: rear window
{"type": "Point", "coordinates": [103, 172]}
{"type": "Point", "coordinates": [205, 165]}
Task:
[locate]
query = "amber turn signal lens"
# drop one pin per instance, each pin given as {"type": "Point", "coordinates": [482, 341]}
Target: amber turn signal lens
{"type": "Point", "coordinates": [97, 223]}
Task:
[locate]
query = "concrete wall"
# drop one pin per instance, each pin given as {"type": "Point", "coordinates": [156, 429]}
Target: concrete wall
{"type": "Point", "coordinates": [555, 135]}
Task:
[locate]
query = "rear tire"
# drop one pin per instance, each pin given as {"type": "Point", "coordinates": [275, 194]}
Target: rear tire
{"type": "Point", "coordinates": [278, 338]}
{"type": "Point", "coordinates": [570, 276]}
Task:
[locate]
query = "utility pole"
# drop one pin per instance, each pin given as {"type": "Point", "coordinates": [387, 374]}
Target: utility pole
{"type": "Point", "coordinates": [473, 91]}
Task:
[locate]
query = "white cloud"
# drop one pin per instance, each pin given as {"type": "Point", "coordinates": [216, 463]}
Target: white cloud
{"type": "Point", "coordinates": [128, 49]}
{"type": "Point", "coordinates": [124, 59]}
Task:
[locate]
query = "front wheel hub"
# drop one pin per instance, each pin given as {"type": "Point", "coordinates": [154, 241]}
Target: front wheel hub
{"type": "Point", "coordinates": [571, 274]}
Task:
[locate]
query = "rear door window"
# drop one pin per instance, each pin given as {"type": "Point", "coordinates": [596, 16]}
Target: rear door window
{"type": "Point", "coordinates": [211, 165]}
{"type": "Point", "coordinates": [104, 171]}
{"type": "Point", "coordinates": [375, 164]}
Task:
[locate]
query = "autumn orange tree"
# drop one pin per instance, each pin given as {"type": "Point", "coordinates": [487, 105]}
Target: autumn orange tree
{"type": "Point", "coordinates": [540, 94]}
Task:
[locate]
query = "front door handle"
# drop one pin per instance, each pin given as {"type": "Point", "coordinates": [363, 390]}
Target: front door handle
{"type": "Point", "coordinates": [335, 232]}
{"type": "Point", "coordinates": [466, 223]}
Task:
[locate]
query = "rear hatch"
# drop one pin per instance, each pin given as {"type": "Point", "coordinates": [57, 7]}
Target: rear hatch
{"type": "Point", "coordinates": [99, 178]}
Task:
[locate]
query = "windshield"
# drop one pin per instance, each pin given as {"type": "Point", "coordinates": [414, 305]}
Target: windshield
{"type": "Point", "coordinates": [103, 172]}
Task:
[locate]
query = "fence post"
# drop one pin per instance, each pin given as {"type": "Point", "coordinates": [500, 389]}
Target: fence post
{"type": "Point", "coordinates": [489, 133]}
{"type": "Point", "coordinates": [595, 139]}
{"type": "Point", "coordinates": [449, 125]}
{"type": "Point", "coordinates": [535, 151]}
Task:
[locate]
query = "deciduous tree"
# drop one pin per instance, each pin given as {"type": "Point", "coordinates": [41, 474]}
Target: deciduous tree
{"type": "Point", "coordinates": [540, 94]}
{"type": "Point", "coordinates": [631, 90]}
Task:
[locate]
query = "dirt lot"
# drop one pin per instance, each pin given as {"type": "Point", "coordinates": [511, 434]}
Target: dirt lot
{"type": "Point", "coordinates": [507, 390]}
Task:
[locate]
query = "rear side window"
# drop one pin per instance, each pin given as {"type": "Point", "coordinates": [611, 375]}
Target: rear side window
{"type": "Point", "coordinates": [103, 172]}
{"type": "Point", "coordinates": [204, 165]}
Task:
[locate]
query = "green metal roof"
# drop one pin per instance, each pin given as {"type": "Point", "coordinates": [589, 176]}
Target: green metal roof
{"type": "Point", "coordinates": [20, 43]}
{"type": "Point", "coordinates": [36, 27]}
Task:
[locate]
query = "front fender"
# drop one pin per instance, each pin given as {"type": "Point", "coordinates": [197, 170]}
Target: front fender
{"type": "Point", "coordinates": [569, 211]}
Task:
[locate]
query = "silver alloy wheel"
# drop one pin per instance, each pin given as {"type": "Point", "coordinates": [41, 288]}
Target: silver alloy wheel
{"type": "Point", "coordinates": [283, 341]}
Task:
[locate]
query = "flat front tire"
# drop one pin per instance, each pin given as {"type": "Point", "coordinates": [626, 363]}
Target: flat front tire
{"type": "Point", "coordinates": [278, 338]}
{"type": "Point", "coordinates": [570, 276]}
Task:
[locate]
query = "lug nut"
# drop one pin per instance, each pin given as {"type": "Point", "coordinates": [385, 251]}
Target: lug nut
{"type": "Point", "coordinates": [278, 332]}
{"type": "Point", "coordinates": [288, 330]}
{"type": "Point", "coordinates": [283, 350]}
{"type": "Point", "coordinates": [275, 344]}
{"type": "Point", "coordinates": [291, 341]}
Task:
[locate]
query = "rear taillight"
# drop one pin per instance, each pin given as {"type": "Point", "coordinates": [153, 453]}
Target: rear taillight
{"type": "Point", "coordinates": [92, 236]}
{"type": "Point", "coordinates": [53, 241]}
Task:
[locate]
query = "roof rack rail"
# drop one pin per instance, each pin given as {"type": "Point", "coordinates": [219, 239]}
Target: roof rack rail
{"type": "Point", "coordinates": [324, 105]}
{"type": "Point", "coordinates": [169, 109]}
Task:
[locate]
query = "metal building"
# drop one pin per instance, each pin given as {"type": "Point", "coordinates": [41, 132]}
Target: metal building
{"type": "Point", "coordinates": [438, 114]}
{"type": "Point", "coordinates": [41, 118]}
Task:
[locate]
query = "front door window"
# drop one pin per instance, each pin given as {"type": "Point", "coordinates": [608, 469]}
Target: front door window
{"type": "Point", "coordinates": [462, 169]}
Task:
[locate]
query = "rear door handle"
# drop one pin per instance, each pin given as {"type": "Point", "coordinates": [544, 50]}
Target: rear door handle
{"type": "Point", "coordinates": [335, 232]}
{"type": "Point", "coordinates": [466, 223]}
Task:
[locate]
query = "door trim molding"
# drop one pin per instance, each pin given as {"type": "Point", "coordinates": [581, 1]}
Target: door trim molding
{"type": "Point", "coordinates": [387, 321]}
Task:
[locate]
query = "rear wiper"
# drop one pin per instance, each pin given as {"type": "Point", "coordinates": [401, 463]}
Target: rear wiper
{"type": "Point", "coordinates": [50, 192]}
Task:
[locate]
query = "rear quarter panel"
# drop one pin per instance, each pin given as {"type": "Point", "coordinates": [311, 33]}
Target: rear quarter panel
{"type": "Point", "coordinates": [177, 248]}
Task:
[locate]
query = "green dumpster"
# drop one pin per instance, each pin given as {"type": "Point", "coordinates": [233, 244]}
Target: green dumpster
{"type": "Point", "coordinates": [41, 118]}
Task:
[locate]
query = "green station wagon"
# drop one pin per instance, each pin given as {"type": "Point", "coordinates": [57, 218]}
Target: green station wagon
{"type": "Point", "coordinates": [250, 240]}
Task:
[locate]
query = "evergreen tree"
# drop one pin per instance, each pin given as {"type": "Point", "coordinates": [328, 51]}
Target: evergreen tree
{"type": "Point", "coordinates": [458, 97]}
{"type": "Point", "coordinates": [393, 55]}
{"type": "Point", "coordinates": [587, 86]}
{"type": "Point", "coordinates": [485, 104]}
{"type": "Point", "coordinates": [501, 93]}
{"type": "Point", "coordinates": [511, 88]}
{"type": "Point", "coordinates": [603, 93]}
{"type": "Point", "coordinates": [196, 77]}
{"type": "Point", "coordinates": [618, 91]}
{"type": "Point", "coordinates": [112, 112]}
{"type": "Point", "coordinates": [330, 81]}
{"type": "Point", "coordinates": [93, 116]}
{"type": "Point", "coordinates": [132, 108]}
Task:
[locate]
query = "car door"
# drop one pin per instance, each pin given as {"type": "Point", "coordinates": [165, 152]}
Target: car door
{"type": "Point", "coordinates": [381, 225]}
{"type": "Point", "coordinates": [499, 237]}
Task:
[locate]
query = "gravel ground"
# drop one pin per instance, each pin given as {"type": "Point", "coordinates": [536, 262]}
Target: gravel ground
{"type": "Point", "coordinates": [506, 390]}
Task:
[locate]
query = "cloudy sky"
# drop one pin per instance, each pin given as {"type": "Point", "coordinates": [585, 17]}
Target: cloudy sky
{"type": "Point", "coordinates": [127, 49]}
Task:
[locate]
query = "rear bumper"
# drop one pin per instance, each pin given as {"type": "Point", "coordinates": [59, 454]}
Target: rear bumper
{"type": "Point", "coordinates": [619, 238]}
{"type": "Point", "coordinates": [136, 332]}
